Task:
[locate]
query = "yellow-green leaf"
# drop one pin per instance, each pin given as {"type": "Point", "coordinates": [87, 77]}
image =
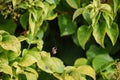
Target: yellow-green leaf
{"type": "Point", "coordinates": [99, 31]}
{"type": "Point", "coordinates": [84, 33]}
{"type": "Point", "coordinates": [113, 32]}
{"type": "Point", "coordinates": [73, 3]}
{"type": "Point", "coordinates": [87, 70]}
{"type": "Point", "coordinates": [77, 13]}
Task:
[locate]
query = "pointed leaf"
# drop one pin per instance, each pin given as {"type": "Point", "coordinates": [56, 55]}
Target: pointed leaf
{"type": "Point", "coordinates": [51, 1]}
{"type": "Point", "coordinates": [95, 17]}
{"type": "Point", "coordinates": [101, 60]}
{"type": "Point", "coordinates": [24, 20]}
{"type": "Point", "coordinates": [31, 24]}
{"type": "Point", "coordinates": [84, 33]}
{"type": "Point", "coordinates": [73, 3]}
{"type": "Point", "coordinates": [106, 8]}
{"type": "Point", "coordinates": [113, 32]}
{"type": "Point", "coordinates": [54, 64]}
{"type": "Point", "coordinates": [80, 62]}
{"type": "Point", "coordinates": [51, 15]}
{"type": "Point", "coordinates": [86, 16]}
{"type": "Point", "coordinates": [57, 65]}
{"type": "Point", "coordinates": [107, 19]}
{"type": "Point", "coordinates": [11, 43]}
{"type": "Point", "coordinates": [4, 67]}
{"type": "Point", "coordinates": [87, 70]}
{"type": "Point", "coordinates": [77, 13]}
{"type": "Point", "coordinates": [99, 31]}
{"type": "Point", "coordinates": [95, 50]}
{"type": "Point", "coordinates": [27, 60]}
{"type": "Point", "coordinates": [31, 74]}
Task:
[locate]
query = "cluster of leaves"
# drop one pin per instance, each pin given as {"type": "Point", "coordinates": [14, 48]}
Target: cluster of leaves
{"type": "Point", "coordinates": [26, 63]}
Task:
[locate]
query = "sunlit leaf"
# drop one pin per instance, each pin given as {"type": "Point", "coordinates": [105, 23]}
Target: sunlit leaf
{"type": "Point", "coordinates": [57, 65]}
{"type": "Point", "coordinates": [73, 3]}
{"type": "Point", "coordinates": [101, 60]}
{"type": "Point", "coordinates": [95, 18]}
{"type": "Point", "coordinates": [107, 19]}
{"type": "Point", "coordinates": [27, 60]}
{"type": "Point", "coordinates": [87, 70]}
{"type": "Point", "coordinates": [6, 69]}
{"type": "Point", "coordinates": [58, 76]}
{"type": "Point", "coordinates": [31, 24]}
{"type": "Point", "coordinates": [106, 8]}
{"type": "Point", "coordinates": [54, 64]}
{"type": "Point", "coordinates": [113, 32]}
{"type": "Point", "coordinates": [24, 5]}
{"type": "Point", "coordinates": [80, 62]}
{"type": "Point", "coordinates": [51, 1]}
{"type": "Point", "coordinates": [84, 33]}
{"type": "Point", "coordinates": [69, 77]}
{"type": "Point", "coordinates": [4, 65]}
{"type": "Point", "coordinates": [51, 15]}
{"type": "Point", "coordinates": [33, 12]}
{"type": "Point", "coordinates": [77, 13]}
{"type": "Point", "coordinates": [99, 31]}
{"type": "Point", "coordinates": [11, 43]}
{"type": "Point", "coordinates": [66, 25]}
{"type": "Point", "coordinates": [14, 3]}
{"type": "Point", "coordinates": [31, 74]}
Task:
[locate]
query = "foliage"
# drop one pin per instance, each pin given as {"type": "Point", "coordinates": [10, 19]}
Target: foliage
{"type": "Point", "coordinates": [28, 27]}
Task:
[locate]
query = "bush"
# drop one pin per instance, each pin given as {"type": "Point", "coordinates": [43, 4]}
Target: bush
{"type": "Point", "coordinates": [59, 39]}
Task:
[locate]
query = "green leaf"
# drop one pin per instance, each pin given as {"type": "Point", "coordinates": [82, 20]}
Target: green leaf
{"type": "Point", "coordinates": [32, 23]}
{"type": "Point", "coordinates": [107, 19]}
{"type": "Point", "coordinates": [84, 33]}
{"type": "Point", "coordinates": [51, 15]}
{"type": "Point", "coordinates": [52, 63]}
{"type": "Point", "coordinates": [99, 31]}
{"type": "Point", "coordinates": [8, 25]}
{"type": "Point", "coordinates": [73, 3]}
{"type": "Point", "coordinates": [27, 60]}
{"type": "Point", "coordinates": [80, 62]}
{"type": "Point", "coordinates": [101, 60]}
{"type": "Point", "coordinates": [106, 8]}
{"type": "Point", "coordinates": [113, 32]}
{"type": "Point", "coordinates": [95, 50]}
{"type": "Point", "coordinates": [34, 15]}
{"type": "Point", "coordinates": [12, 45]}
{"type": "Point", "coordinates": [51, 1]}
{"type": "Point", "coordinates": [14, 2]}
{"type": "Point", "coordinates": [66, 25]}
{"type": "Point", "coordinates": [10, 42]}
{"type": "Point", "coordinates": [77, 13]}
{"type": "Point", "coordinates": [24, 20]}
{"type": "Point", "coordinates": [58, 76]}
{"type": "Point", "coordinates": [86, 16]}
{"type": "Point", "coordinates": [87, 70]}
{"type": "Point", "coordinates": [75, 39]}
{"type": "Point", "coordinates": [95, 16]}
{"type": "Point", "coordinates": [57, 65]}
{"type": "Point", "coordinates": [4, 67]}
{"type": "Point", "coordinates": [31, 74]}
{"type": "Point", "coordinates": [29, 57]}
{"type": "Point", "coordinates": [116, 6]}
